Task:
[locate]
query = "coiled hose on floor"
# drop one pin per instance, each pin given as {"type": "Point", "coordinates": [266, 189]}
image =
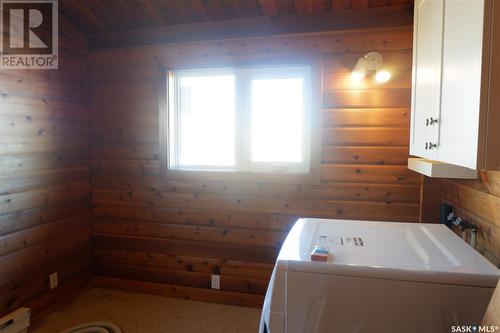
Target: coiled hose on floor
{"type": "Point", "coordinates": [95, 327]}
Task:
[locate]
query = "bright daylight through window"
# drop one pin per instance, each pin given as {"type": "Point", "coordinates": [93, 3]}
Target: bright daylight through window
{"type": "Point", "coordinates": [240, 119]}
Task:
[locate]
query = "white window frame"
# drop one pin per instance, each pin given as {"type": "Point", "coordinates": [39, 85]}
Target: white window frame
{"type": "Point", "coordinates": [174, 114]}
{"type": "Point", "coordinates": [279, 73]}
{"type": "Point", "coordinates": [244, 170]}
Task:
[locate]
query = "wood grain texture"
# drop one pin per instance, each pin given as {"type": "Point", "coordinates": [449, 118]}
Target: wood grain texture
{"type": "Point", "coordinates": [192, 293]}
{"type": "Point", "coordinates": [430, 200]}
{"type": "Point", "coordinates": [101, 16]}
{"type": "Point", "coordinates": [479, 202]}
{"type": "Point", "coordinates": [364, 18]}
{"type": "Point", "coordinates": [44, 179]}
{"type": "Point", "coordinates": [168, 236]}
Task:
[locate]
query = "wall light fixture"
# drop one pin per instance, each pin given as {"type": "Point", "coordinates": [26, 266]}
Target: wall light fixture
{"type": "Point", "coordinates": [372, 61]}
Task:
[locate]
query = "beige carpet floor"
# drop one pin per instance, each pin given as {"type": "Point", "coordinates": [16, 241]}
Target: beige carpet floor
{"type": "Point", "coordinates": [141, 313]}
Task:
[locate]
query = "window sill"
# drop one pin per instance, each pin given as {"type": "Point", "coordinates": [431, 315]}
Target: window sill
{"type": "Point", "coordinates": [311, 178]}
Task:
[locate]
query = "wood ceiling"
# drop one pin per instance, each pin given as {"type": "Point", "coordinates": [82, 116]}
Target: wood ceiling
{"type": "Point", "coordinates": [111, 23]}
{"type": "Point", "coordinates": [109, 15]}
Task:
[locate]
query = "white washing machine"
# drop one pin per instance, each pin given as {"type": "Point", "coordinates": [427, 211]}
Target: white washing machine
{"type": "Point", "coordinates": [381, 277]}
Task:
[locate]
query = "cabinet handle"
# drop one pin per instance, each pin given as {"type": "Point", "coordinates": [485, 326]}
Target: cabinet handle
{"type": "Point", "coordinates": [426, 145]}
{"type": "Point", "coordinates": [430, 145]}
{"type": "Point", "coordinates": [430, 121]}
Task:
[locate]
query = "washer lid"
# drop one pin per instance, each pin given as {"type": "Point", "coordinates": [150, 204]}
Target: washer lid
{"type": "Point", "coordinates": [389, 250]}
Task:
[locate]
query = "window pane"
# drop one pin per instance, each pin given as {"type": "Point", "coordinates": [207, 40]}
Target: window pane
{"type": "Point", "coordinates": [277, 120]}
{"type": "Point", "coordinates": [206, 121]}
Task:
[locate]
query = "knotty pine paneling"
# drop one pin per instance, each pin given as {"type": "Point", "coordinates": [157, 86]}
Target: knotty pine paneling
{"type": "Point", "coordinates": [153, 234]}
{"type": "Point", "coordinates": [44, 179]}
{"type": "Point", "coordinates": [479, 202]}
{"type": "Point", "coordinates": [98, 16]}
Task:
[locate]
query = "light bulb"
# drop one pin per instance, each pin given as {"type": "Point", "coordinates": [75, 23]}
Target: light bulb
{"type": "Point", "coordinates": [358, 75]}
{"type": "Point", "coordinates": [359, 71]}
{"type": "Point", "coordinates": [382, 76]}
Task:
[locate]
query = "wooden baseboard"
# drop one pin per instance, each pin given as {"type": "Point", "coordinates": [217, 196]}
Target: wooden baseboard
{"type": "Point", "coordinates": [191, 293]}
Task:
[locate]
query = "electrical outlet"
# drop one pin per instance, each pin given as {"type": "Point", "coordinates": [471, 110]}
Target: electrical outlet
{"type": "Point", "coordinates": [215, 281]}
{"type": "Point", "coordinates": [53, 280]}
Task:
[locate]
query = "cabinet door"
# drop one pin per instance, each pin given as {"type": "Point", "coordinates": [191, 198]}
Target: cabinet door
{"type": "Point", "coordinates": [461, 82]}
{"type": "Point", "coordinates": [427, 52]}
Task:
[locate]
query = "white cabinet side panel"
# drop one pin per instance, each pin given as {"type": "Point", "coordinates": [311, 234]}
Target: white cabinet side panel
{"type": "Point", "coordinates": [461, 87]}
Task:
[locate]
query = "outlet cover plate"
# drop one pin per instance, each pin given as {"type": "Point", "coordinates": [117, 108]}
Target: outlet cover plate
{"type": "Point", "coordinates": [53, 280]}
{"type": "Point", "coordinates": [215, 281]}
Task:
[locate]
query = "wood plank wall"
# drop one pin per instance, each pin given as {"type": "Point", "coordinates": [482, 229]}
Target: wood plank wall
{"type": "Point", "coordinates": [479, 202]}
{"type": "Point", "coordinates": [168, 237]}
{"type": "Point", "coordinates": [44, 179]}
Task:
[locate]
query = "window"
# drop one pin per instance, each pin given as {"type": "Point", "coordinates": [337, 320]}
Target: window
{"type": "Point", "coordinates": [240, 120]}
{"type": "Point", "coordinates": [203, 123]}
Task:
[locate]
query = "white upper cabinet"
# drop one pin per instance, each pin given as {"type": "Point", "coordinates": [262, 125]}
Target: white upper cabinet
{"type": "Point", "coordinates": [426, 93]}
{"type": "Point", "coordinates": [455, 108]}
